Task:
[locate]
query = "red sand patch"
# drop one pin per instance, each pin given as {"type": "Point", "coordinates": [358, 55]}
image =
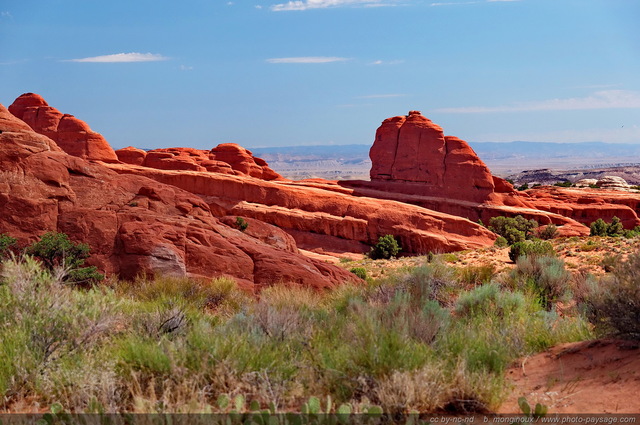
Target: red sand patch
{"type": "Point", "coordinates": [601, 376]}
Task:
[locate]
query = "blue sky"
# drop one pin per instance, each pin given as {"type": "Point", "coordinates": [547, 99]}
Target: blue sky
{"type": "Point", "coordinates": [156, 73]}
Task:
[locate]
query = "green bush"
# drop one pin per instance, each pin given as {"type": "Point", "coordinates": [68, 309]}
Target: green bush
{"type": "Point", "coordinates": [501, 242]}
{"type": "Point", "coordinates": [524, 187]}
{"type": "Point", "coordinates": [241, 224]}
{"type": "Point", "coordinates": [565, 183]}
{"type": "Point", "coordinates": [6, 245]}
{"type": "Point", "coordinates": [549, 232]}
{"type": "Point", "coordinates": [601, 228]}
{"type": "Point", "coordinates": [477, 274]}
{"type": "Point", "coordinates": [386, 248]}
{"type": "Point", "coordinates": [545, 277]}
{"type": "Point", "coordinates": [55, 250]}
{"type": "Point", "coordinates": [513, 229]}
{"type": "Point", "coordinates": [630, 234]}
{"type": "Point", "coordinates": [488, 300]}
{"type": "Point", "coordinates": [531, 248]}
{"type": "Point", "coordinates": [613, 303]}
{"type": "Point", "coordinates": [361, 272]}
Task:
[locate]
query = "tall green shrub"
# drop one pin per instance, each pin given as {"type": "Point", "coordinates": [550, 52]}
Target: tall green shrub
{"type": "Point", "coordinates": [513, 229]}
{"type": "Point", "coordinates": [56, 250]}
{"type": "Point", "coordinates": [601, 228]}
{"type": "Point", "coordinates": [386, 248]}
{"type": "Point", "coordinates": [531, 248]}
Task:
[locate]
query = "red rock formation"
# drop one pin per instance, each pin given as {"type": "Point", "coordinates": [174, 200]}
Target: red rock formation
{"type": "Point", "coordinates": [71, 134]}
{"type": "Point", "coordinates": [413, 162]}
{"type": "Point", "coordinates": [413, 149]}
{"type": "Point", "coordinates": [131, 155]}
{"type": "Point", "coordinates": [321, 218]}
{"type": "Point", "coordinates": [134, 224]}
{"type": "Point", "coordinates": [226, 158]}
{"type": "Point", "coordinates": [586, 205]}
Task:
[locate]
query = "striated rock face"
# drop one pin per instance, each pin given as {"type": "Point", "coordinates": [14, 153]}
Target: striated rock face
{"type": "Point", "coordinates": [587, 205]}
{"type": "Point", "coordinates": [226, 158]}
{"type": "Point", "coordinates": [324, 216]}
{"type": "Point", "coordinates": [586, 182]}
{"type": "Point", "coordinates": [134, 224]}
{"type": "Point", "coordinates": [71, 134]}
{"type": "Point", "coordinates": [613, 182]}
{"type": "Point", "coordinates": [413, 150]}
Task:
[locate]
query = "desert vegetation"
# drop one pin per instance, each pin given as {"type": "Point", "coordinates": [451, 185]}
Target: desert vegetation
{"type": "Point", "coordinates": [436, 337]}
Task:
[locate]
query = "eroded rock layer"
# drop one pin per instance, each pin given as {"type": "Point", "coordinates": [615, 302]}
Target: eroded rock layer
{"type": "Point", "coordinates": [134, 224]}
{"type": "Point", "coordinates": [226, 158]}
{"type": "Point", "coordinates": [74, 136]}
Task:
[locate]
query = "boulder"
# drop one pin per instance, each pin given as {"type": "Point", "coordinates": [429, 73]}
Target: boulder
{"type": "Point", "coordinates": [131, 155]}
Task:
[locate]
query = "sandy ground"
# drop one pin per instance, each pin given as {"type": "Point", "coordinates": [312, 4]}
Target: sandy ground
{"type": "Point", "coordinates": [601, 376]}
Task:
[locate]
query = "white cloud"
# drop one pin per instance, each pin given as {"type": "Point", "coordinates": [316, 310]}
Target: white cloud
{"type": "Point", "coordinates": [308, 59]}
{"type": "Point", "coordinates": [606, 99]}
{"type": "Point", "coordinates": [186, 68]}
{"type": "Point", "coordinates": [323, 4]}
{"type": "Point", "coordinates": [258, 6]}
{"type": "Point", "coordinates": [381, 62]}
{"type": "Point", "coordinates": [123, 57]}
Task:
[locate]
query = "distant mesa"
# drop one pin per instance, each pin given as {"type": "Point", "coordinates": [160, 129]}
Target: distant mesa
{"type": "Point", "coordinates": [74, 136]}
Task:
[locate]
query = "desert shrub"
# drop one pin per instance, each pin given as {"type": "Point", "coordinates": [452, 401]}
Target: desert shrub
{"type": "Point", "coordinates": [435, 281]}
{"type": "Point", "coordinates": [501, 242]}
{"type": "Point", "coordinates": [598, 228]}
{"type": "Point", "coordinates": [615, 227]}
{"type": "Point", "coordinates": [494, 326]}
{"type": "Point", "coordinates": [601, 228]}
{"type": "Point", "coordinates": [55, 250]}
{"type": "Point", "coordinates": [361, 272]}
{"type": "Point", "coordinates": [565, 183]}
{"type": "Point", "coordinates": [490, 299]}
{"type": "Point", "coordinates": [613, 303]}
{"type": "Point", "coordinates": [531, 248]}
{"type": "Point", "coordinates": [609, 262]}
{"type": "Point", "coordinates": [549, 232]}
{"type": "Point", "coordinates": [525, 186]}
{"type": "Point", "coordinates": [513, 229]}
{"type": "Point", "coordinates": [220, 295]}
{"type": "Point", "coordinates": [476, 274]}
{"type": "Point", "coordinates": [48, 331]}
{"type": "Point", "coordinates": [545, 277]}
{"type": "Point", "coordinates": [6, 245]}
{"type": "Point", "coordinates": [449, 257]}
{"type": "Point", "coordinates": [386, 248]}
{"type": "Point", "coordinates": [241, 224]}
{"type": "Point", "coordinates": [630, 234]}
